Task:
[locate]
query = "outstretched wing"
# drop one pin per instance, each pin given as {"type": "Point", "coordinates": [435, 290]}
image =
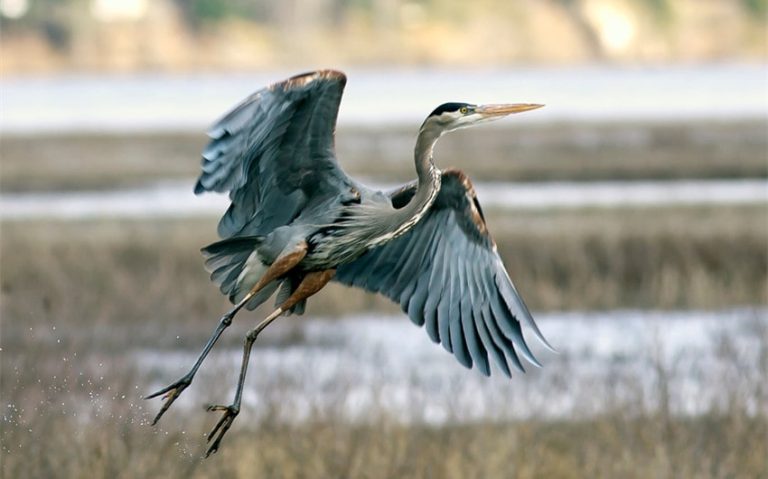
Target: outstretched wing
{"type": "Point", "coordinates": [274, 152]}
{"type": "Point", "coordinates": [446, 274]}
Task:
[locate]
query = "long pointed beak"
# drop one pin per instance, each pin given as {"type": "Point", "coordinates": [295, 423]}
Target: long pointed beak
{"type": "Point", "coordinates": [505, 109]}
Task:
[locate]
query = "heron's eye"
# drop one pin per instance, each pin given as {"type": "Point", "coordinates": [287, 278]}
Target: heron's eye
{"type": "Point", "coordinates": [463, 110]}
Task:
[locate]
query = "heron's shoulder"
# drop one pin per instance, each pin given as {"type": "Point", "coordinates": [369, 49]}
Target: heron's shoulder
{"type": "Point", "coordinates": [458, 192]}
{"type": "Point", "coordinates": [457, 182]}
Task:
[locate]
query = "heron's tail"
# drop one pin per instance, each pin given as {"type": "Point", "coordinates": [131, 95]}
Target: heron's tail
{"type": "Point", "coordinates": [236, 266]}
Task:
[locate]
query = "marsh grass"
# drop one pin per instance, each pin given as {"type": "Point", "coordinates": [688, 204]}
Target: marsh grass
{"type": "Point", "coordinates": [603, 448]}
{"type": "Point", "coordinates": [79, 298]}
{"type": "Point", "coordinates": [151, 271]}
{"type": "Point", "coordinates": [520, 152]}
{"type": "Point", "coordinates": [72, 411]}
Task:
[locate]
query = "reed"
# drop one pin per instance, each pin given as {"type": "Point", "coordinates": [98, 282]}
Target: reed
{"type": "Point", "coordinates": [72, 410]}
{"type": "Point", "coordinates": [79, 298]}
{"type": "Point", "coordinates": [151, 271]}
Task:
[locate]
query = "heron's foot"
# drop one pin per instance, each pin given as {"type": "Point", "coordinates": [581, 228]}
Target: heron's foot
{"type": "Point", "coordinates": [170, 394]}
{"type": "Point", "coordinates": [221, 428]}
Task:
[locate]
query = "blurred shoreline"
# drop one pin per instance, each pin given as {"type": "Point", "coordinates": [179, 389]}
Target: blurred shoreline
{"type": "Point", "coordinates": [175, 199]}
{"type": "Point", "coordinates": [48, 36]}
{"type": "Point", "coordinates": [583, 151]}
{"type": "Point", "coordinates": [390, 97]}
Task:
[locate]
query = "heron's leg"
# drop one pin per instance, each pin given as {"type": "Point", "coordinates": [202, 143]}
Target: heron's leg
{"type": "Point", "coordinates": [311, 284]}
{"type": "Point", "coordinates": [282, 265]}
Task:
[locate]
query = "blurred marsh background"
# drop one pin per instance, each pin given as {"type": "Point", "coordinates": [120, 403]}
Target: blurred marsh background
{"type": "Point", "coordinates": [632, 213]}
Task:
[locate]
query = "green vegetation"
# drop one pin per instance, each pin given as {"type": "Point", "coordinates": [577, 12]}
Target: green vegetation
{"type": "Point", "coordinates": [662, 10]}
{"type": "Point", "coordinates": [201, 12]}
{"type": "Point", "coordinates": [758, 8]}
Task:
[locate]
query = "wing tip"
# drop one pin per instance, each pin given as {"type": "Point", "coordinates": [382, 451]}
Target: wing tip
{"type": "Point", "coordinates": [467, 365]}
{"type": "Point", "coordinates": [532, 359]}
{"type": "Point", "coordinates": [217, 130]}
{"type": "Point", "coordinates": [305, 78]}
{"type": "Point", "coordinates": [504, 370]}
{"type": "Point", "coordinates": [332, 75]}
{"type": "Point", "coordinates": [539, 335]}
{"type": "Point", "coordinates": [516, 305]}
{"type": "Point", "coordinates": [546, 343]}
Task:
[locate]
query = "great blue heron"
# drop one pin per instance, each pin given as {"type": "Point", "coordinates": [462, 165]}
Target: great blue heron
{"type": "Point", "coordinates": [297, 221]}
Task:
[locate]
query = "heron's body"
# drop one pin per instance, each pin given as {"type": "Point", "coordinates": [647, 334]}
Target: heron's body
{"type": "Point", "coordinates": [296, 221]}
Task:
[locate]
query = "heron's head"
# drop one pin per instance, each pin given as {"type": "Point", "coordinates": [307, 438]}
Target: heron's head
{"type": "Point", "coordinates": [452, 116]}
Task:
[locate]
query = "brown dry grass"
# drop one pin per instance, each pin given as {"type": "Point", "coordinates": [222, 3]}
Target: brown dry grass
{"type": "Point", "coordinates": [572, 151]}
{"type": "Point", "coordinates": [728, 445]}
{"type": "Point", "coordinates": [72, 410]}
{"type": "Point", "coordinates": [659, 259]}
{"type": "Point", "coordinates": [593, 259]}
{"type": "Point", "coordinates": [79, 297]}
{"type": "Point", "coordinates": [528, 152]}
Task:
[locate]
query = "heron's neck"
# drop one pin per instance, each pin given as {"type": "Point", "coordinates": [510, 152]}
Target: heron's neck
{"type": "Point", "coordinates": [428, 185]}
{"type": "Point", "coordinates": [425, 166]}
{"type": "Point", "coordinates": [375, 223]}
{"type": "Point", "coordinates": [399, 221]}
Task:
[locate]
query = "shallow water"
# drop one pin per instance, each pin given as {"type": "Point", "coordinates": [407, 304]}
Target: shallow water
{"type": "Point", "coordinates": [175, 199]}
{"type": "Point", "coordinates": [150, 102]}
{"type": "Point", "coordinates": [362, 366]}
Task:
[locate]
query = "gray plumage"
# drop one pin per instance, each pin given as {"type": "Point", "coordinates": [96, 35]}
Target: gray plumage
{"type": "Point", "coordinates": [296, 221]}
{"type": "Point", "coordinates": [424, 246]}
{"type": "Point", "coordinates": [445, 274]}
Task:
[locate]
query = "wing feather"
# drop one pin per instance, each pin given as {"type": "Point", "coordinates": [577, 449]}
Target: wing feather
{"type": "Point", "coordinates": [435, 293]}
{"type": "Point", "coordinates": [419, 300]}
{"type": "Point", "coordinates": [444, 312]}
{"type": "Point", "coordinates": [474, 346]}
{"type": "Point", "coordinates": [274, 154]}
{"type": "Point", "coordinates": [496, 341]}
{"type": "Point", "coordinates": [447, 276]}
{"type": "Point", "coordinates": [420, 253]}
{"type": "Point", "coordinates": [474, 342]}
{"type": "Point", "coordinates": [458, 343]}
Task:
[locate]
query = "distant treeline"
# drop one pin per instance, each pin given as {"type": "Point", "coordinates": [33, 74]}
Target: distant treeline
{"type": "Point", "coordinates": [43, 35]}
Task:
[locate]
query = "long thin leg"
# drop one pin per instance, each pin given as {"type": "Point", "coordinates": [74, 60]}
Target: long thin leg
{"type": "Point", "coordinates": [282, 265]}
{"type": "Point", "coordinates": [172, 391]}
{"type": "Point", "coordinates": [231, 411]}
{"type": "Point", "coordinates": [311, 284]}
